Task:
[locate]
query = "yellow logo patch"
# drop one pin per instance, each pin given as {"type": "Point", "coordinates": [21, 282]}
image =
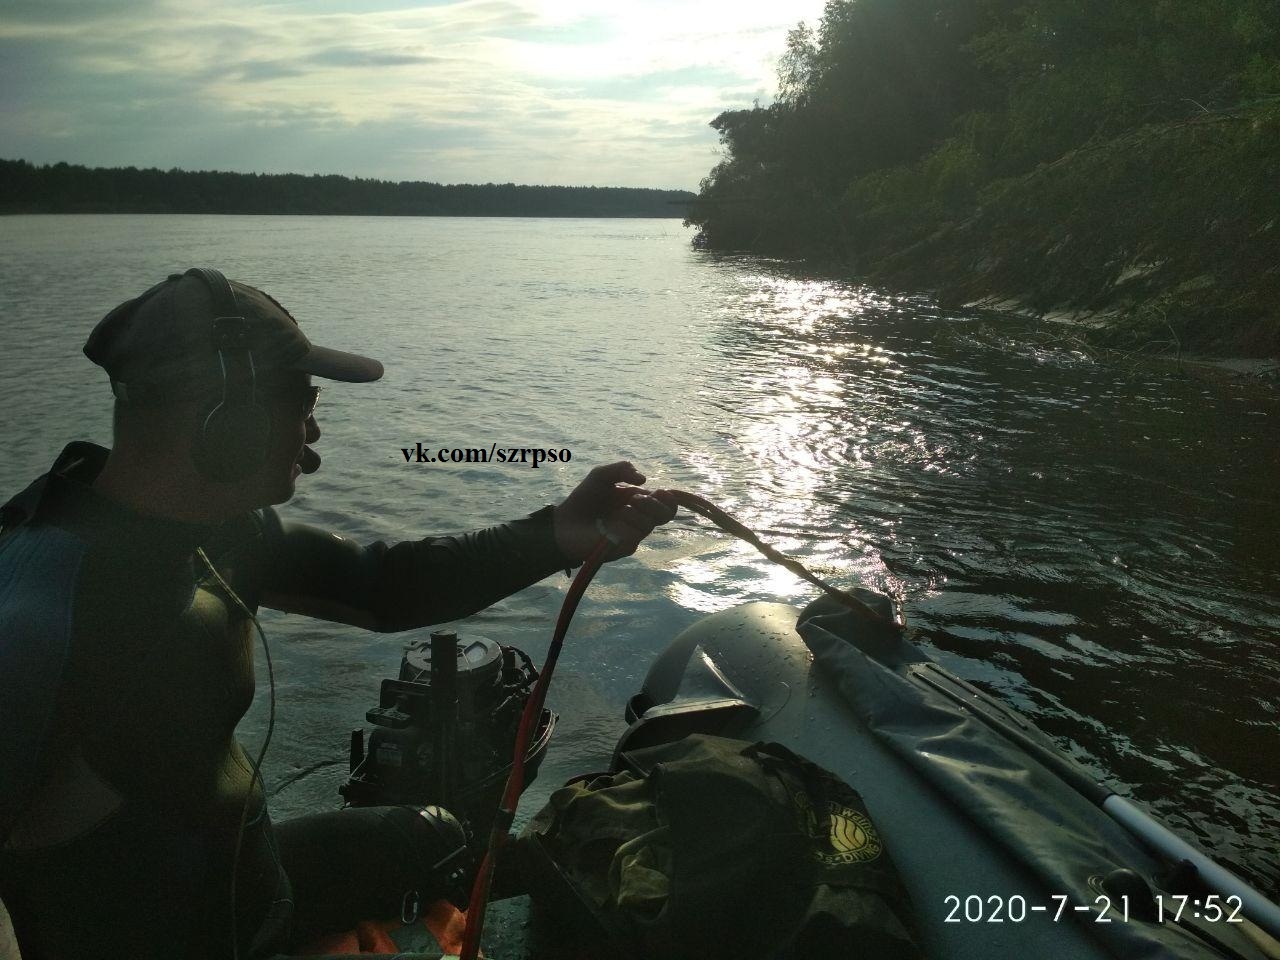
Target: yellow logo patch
{"type": "Point", "coordinates": [852, 836]}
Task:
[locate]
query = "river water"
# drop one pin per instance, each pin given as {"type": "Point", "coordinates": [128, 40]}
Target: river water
{"type": "Point", "coordinates": [1097, 544]}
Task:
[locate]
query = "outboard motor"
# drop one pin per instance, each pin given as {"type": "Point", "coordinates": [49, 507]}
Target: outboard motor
{"type": "Point", "coordinates": [445, 729]}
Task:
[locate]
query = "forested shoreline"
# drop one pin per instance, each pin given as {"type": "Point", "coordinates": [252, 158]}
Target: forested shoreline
{"type": "Point", "coordinates": [1117, 160]}
{"type": "Point", "coordinates": [68, 188]}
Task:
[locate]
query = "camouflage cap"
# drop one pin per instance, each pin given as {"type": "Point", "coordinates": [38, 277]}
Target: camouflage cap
{"type": "Point", "coordinates": [166, 336]}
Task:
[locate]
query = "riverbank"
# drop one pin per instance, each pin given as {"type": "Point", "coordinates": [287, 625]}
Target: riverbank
{"type": "Point", "coordinates": [68, 188]}
{"type": "Point", "coordinates": [1116, 163]}
{"type": "Point", "coordinates": [1092, 334]}
{"type": "Point", "coordinates": [1164, 238]}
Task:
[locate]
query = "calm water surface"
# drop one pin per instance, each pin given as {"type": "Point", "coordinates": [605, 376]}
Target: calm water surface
{"type": "Point", "coordinates": [1096, 545]}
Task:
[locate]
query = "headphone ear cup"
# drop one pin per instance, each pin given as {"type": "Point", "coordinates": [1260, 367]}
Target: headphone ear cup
{"type": "Point", "coordinates": [231, 441]}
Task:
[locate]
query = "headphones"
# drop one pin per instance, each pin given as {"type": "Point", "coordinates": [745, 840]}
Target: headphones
{"type": "Point", "coordinates": [233, 431]}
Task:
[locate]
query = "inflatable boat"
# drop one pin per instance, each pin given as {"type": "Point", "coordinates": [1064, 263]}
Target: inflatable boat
{"type": "Point", "coordinates": [1006, 848]}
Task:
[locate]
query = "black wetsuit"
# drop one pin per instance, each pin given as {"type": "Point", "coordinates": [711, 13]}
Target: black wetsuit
{"type": "Point", "coordinates": [124, 669]}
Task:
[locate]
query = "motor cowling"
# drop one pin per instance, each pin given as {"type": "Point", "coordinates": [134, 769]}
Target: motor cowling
{"type": "Point", "coordinates": [444, 729]}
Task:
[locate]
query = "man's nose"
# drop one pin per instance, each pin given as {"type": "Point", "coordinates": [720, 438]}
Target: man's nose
{"type": "Point", "coordinates": [313, 429]}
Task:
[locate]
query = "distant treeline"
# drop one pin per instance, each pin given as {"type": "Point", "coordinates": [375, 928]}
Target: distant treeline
{"type": "Point", "coordinates": [1120, 156]}
{"type": "Point", "coordinates": [67, 188]}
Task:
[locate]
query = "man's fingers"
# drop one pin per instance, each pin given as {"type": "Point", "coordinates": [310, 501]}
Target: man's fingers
{"type": "Point", "coordinates": [624, 471]}
{"type": "Point", "coordinates": [642, 511]}
{"type": "Point", "coordinates": [609, 504]}
{"type": "Point", "coordinates": [666, 506]}
{"type": "Point", "coordinates": [636, 520]}
{"type": "Point", "coordinates": [654, 509]}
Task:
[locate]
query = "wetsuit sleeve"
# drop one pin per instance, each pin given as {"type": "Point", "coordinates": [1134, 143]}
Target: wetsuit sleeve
{"type": "Point", "coordinates": [412, 584]}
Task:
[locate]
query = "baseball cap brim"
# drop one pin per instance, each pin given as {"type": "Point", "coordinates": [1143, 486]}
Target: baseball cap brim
{"type": "Point", "coordinates": [336, 365]}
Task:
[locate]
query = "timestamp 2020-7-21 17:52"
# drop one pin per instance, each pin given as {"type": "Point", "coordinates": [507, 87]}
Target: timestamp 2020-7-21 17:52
{"type": "Point", "coordinates": [1162, 908]}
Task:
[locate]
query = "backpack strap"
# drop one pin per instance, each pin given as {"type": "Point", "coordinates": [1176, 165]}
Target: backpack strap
{"type": "Point", "coordinates": [38, 571]}
{"type": "Point", "coordinates": [20, 508]}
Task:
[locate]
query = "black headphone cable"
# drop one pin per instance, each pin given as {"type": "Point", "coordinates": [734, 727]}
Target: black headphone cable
{"type": "Point", "coordinates": [262, 752]}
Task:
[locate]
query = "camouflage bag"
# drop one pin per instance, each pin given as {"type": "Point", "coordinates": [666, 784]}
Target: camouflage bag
{"type": "Point", "coordinates": [714, 848]}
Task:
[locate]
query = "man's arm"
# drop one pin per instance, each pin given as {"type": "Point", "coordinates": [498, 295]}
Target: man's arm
{"type": "Point", "coordinates": [417, 583]}
{"type": "Point", "coordinates": [410, 584]}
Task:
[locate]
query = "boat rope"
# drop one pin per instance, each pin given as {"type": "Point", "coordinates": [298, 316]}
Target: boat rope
{"type": "Point", "coordinates": [705, 508]}
{"type": "Point", "coordinates": [505, 817]}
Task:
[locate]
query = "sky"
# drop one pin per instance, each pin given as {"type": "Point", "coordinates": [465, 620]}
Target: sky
{"type": "Point", "coordinates": [574, 92]}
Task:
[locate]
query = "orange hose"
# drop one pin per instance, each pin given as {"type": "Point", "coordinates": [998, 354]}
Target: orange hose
{"type": "Point", "coordinates": [524, 734]}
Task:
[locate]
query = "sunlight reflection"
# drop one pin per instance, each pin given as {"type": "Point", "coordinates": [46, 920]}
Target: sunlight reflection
{"type": "Point", "coordinates": [801, 304]}
{"type": "Point", "coordinates": [713, 581]}
{"type": "Point", "coordinates": [810, 410]}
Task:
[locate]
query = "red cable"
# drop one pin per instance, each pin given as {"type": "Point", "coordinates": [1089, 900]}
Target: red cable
{"type": "Point", "coordinates": [524, 734]}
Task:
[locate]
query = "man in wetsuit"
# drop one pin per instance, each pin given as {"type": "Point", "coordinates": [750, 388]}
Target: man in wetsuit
{"type": "Point", "coordinates": [128, 579]}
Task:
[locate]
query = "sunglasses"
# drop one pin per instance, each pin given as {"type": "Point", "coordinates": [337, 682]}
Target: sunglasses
{"type": "Point", "coordinates": [305, 398]}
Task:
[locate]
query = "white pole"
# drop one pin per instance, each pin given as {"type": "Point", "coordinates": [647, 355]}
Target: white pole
{"type": "Point", "coordinates": [1255, 906]}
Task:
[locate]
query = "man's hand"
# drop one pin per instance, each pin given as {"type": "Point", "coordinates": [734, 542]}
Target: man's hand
{"type": "Point", "coordinates": [604, 505]}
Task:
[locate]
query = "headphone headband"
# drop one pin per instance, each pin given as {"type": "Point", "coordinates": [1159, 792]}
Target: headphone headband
{"type": "Point", "coordinates": [224, 298]}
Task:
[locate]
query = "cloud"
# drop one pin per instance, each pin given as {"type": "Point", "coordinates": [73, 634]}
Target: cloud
{"type": "Point", "coordinates": [255, 71]}
{"type": "Point", "coordinates": [65, 12]}
{"type": "Point", "coordinates": [469, 90]}
{"type": "Point", "coordinates": [651, 86]}
{"type": "Point", "coordinates": [353, 57]}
